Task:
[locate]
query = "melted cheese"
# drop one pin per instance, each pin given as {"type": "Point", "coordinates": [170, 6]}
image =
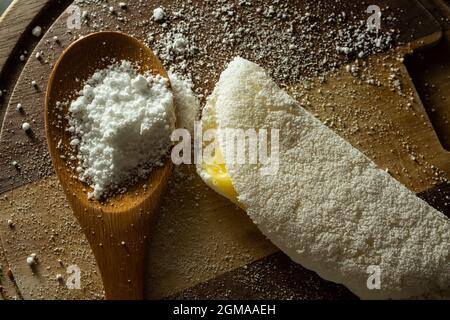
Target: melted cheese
{"type": "Point", "coordinates": [218, 178]}
{"type": "Point", "coordinates": [215, 173]}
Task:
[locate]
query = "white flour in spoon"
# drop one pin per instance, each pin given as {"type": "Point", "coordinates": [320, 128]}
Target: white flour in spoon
{"type": "Point", "coordinates": [121, 125]}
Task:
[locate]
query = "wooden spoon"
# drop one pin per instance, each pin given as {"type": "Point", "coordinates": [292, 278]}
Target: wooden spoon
{"type": "Point", "coordinates": [117, 230]}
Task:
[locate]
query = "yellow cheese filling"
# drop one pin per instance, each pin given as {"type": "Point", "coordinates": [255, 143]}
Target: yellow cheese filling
{"type": "Point", "coordinates": [214, 172]}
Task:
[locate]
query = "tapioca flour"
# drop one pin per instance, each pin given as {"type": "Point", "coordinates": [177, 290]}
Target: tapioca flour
{"type": "Point", "coordinates": [121, 124]}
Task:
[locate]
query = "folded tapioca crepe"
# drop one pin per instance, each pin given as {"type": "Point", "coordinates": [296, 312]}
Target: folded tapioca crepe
{"type": "Point", "coordinates": [328, 206]}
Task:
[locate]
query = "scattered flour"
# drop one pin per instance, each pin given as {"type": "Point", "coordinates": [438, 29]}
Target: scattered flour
{"type": "Point", "coordinates": [330, 208]}
{"type": "Point", "coordinates": [32, 259]}
{"type": "Point", "coordinates": [176, 47]}
{"type": "Point", "coordinates": [37, 31]}
{"type": "Point", "coordinates": [26, 126]}
{"type": "Point", "coordinates": [121, 125]}
{"type": "Point", "coordinates": [158, 14]}
{"type": "Point", "coordinates": [277, 34]}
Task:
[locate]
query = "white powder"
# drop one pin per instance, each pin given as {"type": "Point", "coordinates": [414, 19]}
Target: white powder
{"type": "Point", "coordinates": [158, 14]}
{"type": "Point", "coordinates": [121, 125]}
{"type": "Point", "coordinates": [26, 126]}
{"type": "Point", "coordinates": [37, 31]}
{"type": "Point", "coordinates": [330, 208]}
{"type": "Point", "coordinates": [32, 259]}
{"type": "Point", "coordinates": [176, 47]}
{"type": "Point", "coordinates": [277, 34]}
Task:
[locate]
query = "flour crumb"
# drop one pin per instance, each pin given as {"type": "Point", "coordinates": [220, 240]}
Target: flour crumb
{"type": "Point", "coordinates": [32, 259]}
{"type": "Point", "coordinates": [37, 31]}
{"type": "Point", "coordinates": [26, 126]}
{"type": "Point", "coordinates": [159, 14]}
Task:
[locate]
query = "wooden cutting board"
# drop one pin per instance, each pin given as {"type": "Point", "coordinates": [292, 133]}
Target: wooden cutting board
{"type": "Point", "coordinates": [203, 246]}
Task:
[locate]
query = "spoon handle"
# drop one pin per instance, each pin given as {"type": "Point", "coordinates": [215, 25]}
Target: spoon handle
{"type": "Point", "coordinates": [119, 231]}
{"type": "Point", "coordinates": [119, 242]}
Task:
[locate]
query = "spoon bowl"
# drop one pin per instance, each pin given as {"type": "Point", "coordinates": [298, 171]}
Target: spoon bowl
{"type": "Point", "coordinates": [118, 229]}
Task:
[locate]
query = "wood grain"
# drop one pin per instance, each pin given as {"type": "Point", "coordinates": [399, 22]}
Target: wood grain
{"type": "Point", "coordinates": [45, 225]}
{"type": "Point", "coordinates": [441, 11]}
{"type": "Point", "coordinates": [8, 288]}
{"type": "Point", "coordinates": [275, 277]}
{"type": "Point", "coordinates": [189, 244]}
{"type": "Point", "coordinates": [390, 128]}
{"type": "Point", "coordinates": [430, 72]}
{"type": "Point", "coordinates": [16, 39]}
{"type": "Point", "coordinates": [15, 21]}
